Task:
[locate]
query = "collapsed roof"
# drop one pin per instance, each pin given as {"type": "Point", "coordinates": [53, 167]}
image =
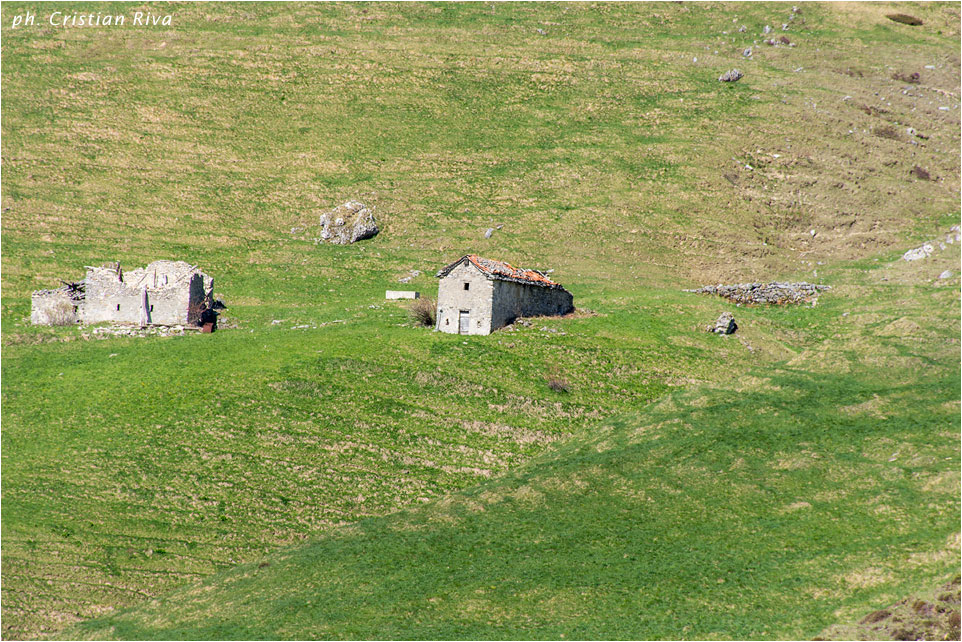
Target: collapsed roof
{"type": "Point", "coordinates": [501, 271]}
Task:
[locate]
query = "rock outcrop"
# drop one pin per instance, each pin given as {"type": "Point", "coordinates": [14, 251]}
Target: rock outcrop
{"type": "Point", "coordinates": [348, 223]}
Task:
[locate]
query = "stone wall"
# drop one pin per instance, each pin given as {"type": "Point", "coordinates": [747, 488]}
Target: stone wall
{"type": "Point", "coordinates": [163, 293]}
{"type": "Point", "coordinates": [493, 303]}
{"type": "Point", "coordinates": [476, 300]}
{"type": "Point", "coordinates": [513, 300]}
{"type": "Point", "coordinates": [54, 307]}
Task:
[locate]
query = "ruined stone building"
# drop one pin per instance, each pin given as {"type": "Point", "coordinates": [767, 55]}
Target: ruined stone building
{"type": "Point", "coordinates": [163, 293]}
{"type": "Point", "coordinates": [478, 295]}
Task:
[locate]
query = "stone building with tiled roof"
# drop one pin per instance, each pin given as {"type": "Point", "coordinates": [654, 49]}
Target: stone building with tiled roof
{"type": "Point", "coordinates": [478, 295]}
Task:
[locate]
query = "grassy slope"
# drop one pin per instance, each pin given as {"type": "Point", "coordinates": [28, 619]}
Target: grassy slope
{"type": "Point", "coordinates": [767, 508]}
{"type": "Point", "coordinates": [600, 146]}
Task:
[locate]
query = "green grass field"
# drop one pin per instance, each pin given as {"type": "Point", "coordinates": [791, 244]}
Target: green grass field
{"type": "Point", "coordinates": [363, 478]}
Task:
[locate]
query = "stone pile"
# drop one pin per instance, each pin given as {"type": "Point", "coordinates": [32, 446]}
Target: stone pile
{"type": "Point", "coordinates": [102, 332]}
{"type": "Point", "coordinates": [770, 293]}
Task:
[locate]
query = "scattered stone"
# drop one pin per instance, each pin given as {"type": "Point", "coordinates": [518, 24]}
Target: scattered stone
{"type": "Point", "coordinates": [911, 131]}
{"type": "Point", "coordinates": [725, 324]}
{"type": "Point", "coordinates": [747, 53]}
{"type": "Point", "coordinates": [104, 332]}
{"type": "Point", "coordinates": [769, 293]}
{"type": "Point", "coordinates": [733, 75]}
{"type": "Point", "coordinates": [920, 173]}
{"type": "Point", "coordinates": [348, 223]}
{"type": "Point", "coordinates": [742, 29]}
{"type": "Point", "coordinates": [926, 249]}
{"type": "Point", "coordinates": [542, 32]}
{"type": "Point", "coordinates": [488, 232]}
{"type": "Point", "coordinates": [767, 30]}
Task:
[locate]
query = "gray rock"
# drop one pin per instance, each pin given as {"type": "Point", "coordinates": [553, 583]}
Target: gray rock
{"type": "Point", "coordinates": [488, 232]}
{"type": "Point", "coordinates": [725, 324]}
{"type": "Point", "coordinates": [946, 275]}
{"type": "Point", "coordinates": [918, 253]}
{"type": "Point", "coordinates": [747, 53]}
{"type": "Point", "coordinates": [732, 75]}
{"type": "Point", "coordinates": [348, 223]}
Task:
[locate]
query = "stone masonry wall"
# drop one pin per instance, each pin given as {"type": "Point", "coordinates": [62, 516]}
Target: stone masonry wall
{"type": "Point", "coordinates": [53, 307]}
{"type": "Point", "coordinates": [513, 300]}
{"type": "Point", "coordinates": [476, 300]}
{"type": "Point", "coordinates": [174, 295]}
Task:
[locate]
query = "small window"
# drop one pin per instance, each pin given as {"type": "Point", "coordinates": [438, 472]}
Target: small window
{"type": "Point", "coordinates": [467, 286]}
{"type": "Point", "coordinates": [118, 307]}
{"type": "Point", "coordinates": [151, 307]}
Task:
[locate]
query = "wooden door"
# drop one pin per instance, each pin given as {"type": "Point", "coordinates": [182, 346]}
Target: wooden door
{"type": "Point", "coordinates": [464, 322]}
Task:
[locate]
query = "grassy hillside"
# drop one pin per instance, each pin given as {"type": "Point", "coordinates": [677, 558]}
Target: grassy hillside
{"type": "Point", "coordinates": [768, 507]}
{"type": "Point", "coordinates": [599, 137]}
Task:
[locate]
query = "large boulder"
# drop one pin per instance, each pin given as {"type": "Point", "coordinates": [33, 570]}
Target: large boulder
{"type": "Point", "coordinates": [348, 223]}
{"type": "Point", "coordinates": [725, 324]}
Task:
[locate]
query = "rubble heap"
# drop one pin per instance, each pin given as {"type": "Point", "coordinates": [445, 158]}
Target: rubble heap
{"type": "Point", "coordinates": [770, 293]}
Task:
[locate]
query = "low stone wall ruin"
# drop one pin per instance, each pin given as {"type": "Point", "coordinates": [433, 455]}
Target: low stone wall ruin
{"type": "Point", "coordinates": [163, 293]}
{"type": "Point", "coordinates": [769, 293]}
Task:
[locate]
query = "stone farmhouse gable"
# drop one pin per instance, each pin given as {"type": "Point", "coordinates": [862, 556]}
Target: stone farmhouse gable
{"type": "Point", "coordinates": [478, 295]}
